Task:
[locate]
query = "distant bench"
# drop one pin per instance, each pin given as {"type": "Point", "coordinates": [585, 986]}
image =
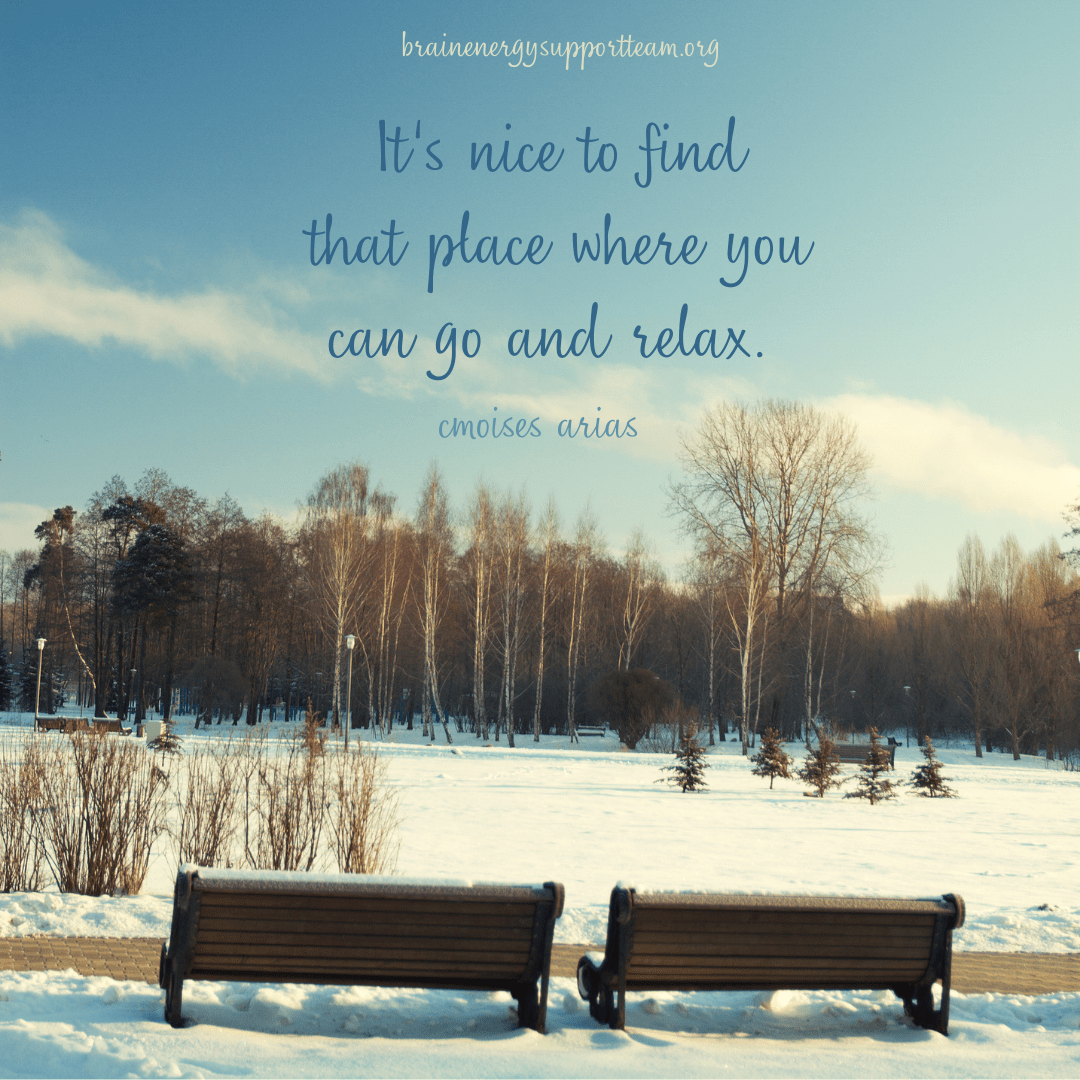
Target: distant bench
{"type": "Point", "coordinates": [712, 941]}
{"type": "Point", "coordinates": [856, 753]}
{"type": "Point", "coordinates": [68, 725]}
{"type": "Point", "coordinates": [357, 930]}
{"type": "Point", "coordinates": [588, 730]}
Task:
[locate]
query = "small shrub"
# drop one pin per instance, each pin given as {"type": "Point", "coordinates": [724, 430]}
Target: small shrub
{"type": "Point", "coordinates": [632, 701]}
{"type": "Point", "coordinates": [927, 778]}
{"type": "Point", "coordinates": [20, 804]}
{"type": "Point", "coordinates": [168, 742]}
{"type": "Point", "coordinates": [104, 805]}
{"type": "Point", "coordinates": [208, 804]}
{"type": "Point", "coordinates": [771, 760]}
{"type": "Point", "coordinates": [291, 795]}
{"type": "Point", "coordinates": [364, 821]}
{"type": "Point", "coordinates": [874, 784]}
{"type": "Point", "coordinates": [820, 768]}
{"type": "Point", "coordinates": [691, 761]}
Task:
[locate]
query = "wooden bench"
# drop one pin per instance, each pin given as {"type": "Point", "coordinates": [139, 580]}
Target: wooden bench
{"type": "Point", "coordinates": [360, 930]}
{"type": "Point", "coordinates": [588, 730]}
{"type": "Point", "coordinates": [66, 725]}
{"type": "Point", "coordinates": [856, 753]}
{"type": "Point", "coordinates": [711, 941]}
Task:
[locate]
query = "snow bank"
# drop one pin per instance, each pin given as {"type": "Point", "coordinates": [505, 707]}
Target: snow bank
{"type": "Point", "coordinates": [64, 1025]}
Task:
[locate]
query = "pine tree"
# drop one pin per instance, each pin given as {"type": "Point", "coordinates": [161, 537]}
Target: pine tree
{"type": "Point", "coordinates": [168, 742]}
{"type": "Point", "coordinates": [873, 784]}
{"type": "Point", "coordinates": [927, 777]}
{"type": "Point", "coordinates": [771, 760]}
{"type": "Point", "coordinates": [820, 768]}
{"type": "Point", "coordinates": [688, 772]}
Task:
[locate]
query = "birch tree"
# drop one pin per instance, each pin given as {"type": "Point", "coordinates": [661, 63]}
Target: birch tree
{"type": "Point", "coordinates": [479, 559]}
{"type": "Point", "coordinates": [549, 538]}
{"type": "Point", "coordinates": [434, 545]}
{"type": "Point", "coordinates": [511, 542]}
{"type": "Point", "coordinates": [338, 556]}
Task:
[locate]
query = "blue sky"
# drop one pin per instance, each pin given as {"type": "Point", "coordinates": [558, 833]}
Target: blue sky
{"type": "Point", "coordinates": [158, 306]}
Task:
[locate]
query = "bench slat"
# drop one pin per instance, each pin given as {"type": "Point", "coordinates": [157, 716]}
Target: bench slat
{"type": "Point", "coordinates": [808, 948]}
{"type": "Point", "coordinates": [316, 922]}
{"type": "Point", "coordinates": [357, 939]}
{"type": "Point", "coordinates": [710, 934]}
{"type": "Point", "coordinates": [211, 901]}
{"type": "Point", "coordinates": [390, 951]}
{"type": "Point", "coordinates": [684, 916]}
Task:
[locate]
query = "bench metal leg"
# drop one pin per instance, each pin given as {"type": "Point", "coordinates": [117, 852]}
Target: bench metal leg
{"type": "Point", "coordinates": [172, 981]}
{"type": "Point", "coordinates": [597, 988]}
{"type": "Point", "coordinates": [919, 1004]}
{"type": "Point", "coordinates": [528, 1006]}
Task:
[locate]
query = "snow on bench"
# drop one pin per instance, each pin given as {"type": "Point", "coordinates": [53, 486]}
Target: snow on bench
{"type": "Point", "coordinates": [357, 930]}
{"type": "Point", "coordinates": [701, 941]}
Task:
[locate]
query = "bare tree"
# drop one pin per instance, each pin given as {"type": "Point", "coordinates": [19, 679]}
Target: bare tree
{"type": "Point", "coordinates": [638, 583]}
{"type": "Point", "coordinates": [434, 541]}
{"type": "Point", "coordinates": [775, 491]}
{"type": "Point", "coordinates": [480, 559]}
{"type": "Point", "coordinates": [511, 542]}
{"type": "Point", "coordinates": [972, 637]}
{"type": "Point", "coordinates": [338, 554]}
{"type": "Point", "coordinates": [583, 553]}
{"type": "Point", "coordinates": [549, 532]}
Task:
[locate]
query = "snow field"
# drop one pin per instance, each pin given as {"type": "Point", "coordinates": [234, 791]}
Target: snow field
{"type": "Point", "coordinates": [590, 817]}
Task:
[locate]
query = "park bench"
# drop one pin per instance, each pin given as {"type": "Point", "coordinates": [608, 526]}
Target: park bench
{"type": "Point", "coordinates": [113, 726]}
{"type": "Point", "coordinates": [360, 930]}
{"type": "Point", "coordinates": [66, 725]}
{"type": "Point", "coordinates": [588, 730]}
{"type": "Point", "coordinates": [713, 941]}
{"type": "Point", "coordinates": [856, 753]}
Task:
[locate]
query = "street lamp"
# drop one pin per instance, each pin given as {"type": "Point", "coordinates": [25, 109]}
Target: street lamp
{"type": "Point", "coordinates": [350, 641]}
{"type": "Point", "coordinates": [131, 694]}
{"type": "Point", "coordinates": [907, 716]}
{"type": "Point", "coordinates": [37, 697]}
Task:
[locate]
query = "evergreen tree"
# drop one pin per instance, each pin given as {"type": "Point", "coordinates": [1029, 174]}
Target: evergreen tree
{"type": "Point", "coordinates": [820, 768]}
{"type": "Point", "coordinates": [168, 742]}
{"type": "Point", "coordinates": [927, 778]}
{"type": "Point", "coordinates": [771, 760]}
{"type": "Point", "coordinates": [688, 772]}
{"type": "Point", "coordinates": [873, 784]}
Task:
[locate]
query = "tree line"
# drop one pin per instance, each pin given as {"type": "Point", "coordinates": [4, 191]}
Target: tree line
{"type": "Point", "coordinates": [497, 618]}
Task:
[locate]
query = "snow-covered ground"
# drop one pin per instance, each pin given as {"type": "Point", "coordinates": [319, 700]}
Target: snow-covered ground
{"type": "Point", "coordinates": [588, 817]}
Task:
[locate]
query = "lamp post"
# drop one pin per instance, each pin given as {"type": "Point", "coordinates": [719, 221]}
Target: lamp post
{"type": "Point", "coordinates": [350, 641]}
{"type": "Point", "coordinates": [131, 692]}
{"type": "Point", "coordinates": [907, 716]}
{"type": "Point", "coordinates": [37, 696]}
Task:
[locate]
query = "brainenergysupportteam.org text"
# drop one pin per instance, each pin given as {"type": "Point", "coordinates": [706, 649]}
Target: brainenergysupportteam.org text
{"type": "Point", "coordinates": [523, 54]}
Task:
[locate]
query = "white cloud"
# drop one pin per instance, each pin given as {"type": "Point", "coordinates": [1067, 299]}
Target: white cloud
{"type": "Point", "coordinates": [46, 289]}
{"type": "Point", "coordinates": [946, 452]}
